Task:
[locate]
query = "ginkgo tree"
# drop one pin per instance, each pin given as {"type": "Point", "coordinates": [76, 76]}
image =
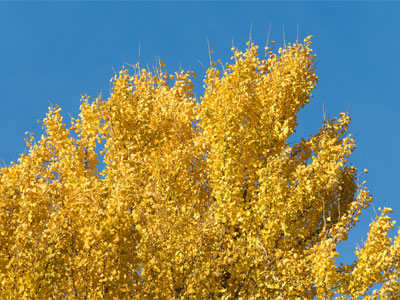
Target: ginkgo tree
{"type": "Point", "coordinates": [193, 198]}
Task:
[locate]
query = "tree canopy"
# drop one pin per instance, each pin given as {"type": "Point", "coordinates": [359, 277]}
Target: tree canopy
{"type": "Point", "coordinates": [193, 198]}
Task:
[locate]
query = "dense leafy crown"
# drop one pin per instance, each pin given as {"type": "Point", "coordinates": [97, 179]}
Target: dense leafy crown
{"type": "Point", "coordinates": [194, 199]}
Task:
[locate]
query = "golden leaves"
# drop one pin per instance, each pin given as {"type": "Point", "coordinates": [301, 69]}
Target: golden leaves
{"type": "Point", "coordinates": [192, 200]}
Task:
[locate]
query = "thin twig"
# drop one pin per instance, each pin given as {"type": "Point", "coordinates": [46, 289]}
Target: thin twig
{"type": "Point", "coordinates": [269, 31]}
{"type": "Point", "coordinates": [272, 268]}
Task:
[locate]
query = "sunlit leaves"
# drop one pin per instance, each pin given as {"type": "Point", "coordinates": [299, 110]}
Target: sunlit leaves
{"type": "Point", "coordinates": [153, 194]}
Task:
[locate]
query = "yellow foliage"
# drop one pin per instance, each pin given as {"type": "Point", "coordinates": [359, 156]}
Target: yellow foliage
{"type": "Point", "coordinates": [194, 199]}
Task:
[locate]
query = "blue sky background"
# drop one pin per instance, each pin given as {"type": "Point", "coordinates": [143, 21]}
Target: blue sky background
{"type": "Point", "coordinates": [55, 52]}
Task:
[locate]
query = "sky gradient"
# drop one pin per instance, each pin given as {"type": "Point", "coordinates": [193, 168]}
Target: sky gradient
{"type": "Point", "coordinates": [55, 52]}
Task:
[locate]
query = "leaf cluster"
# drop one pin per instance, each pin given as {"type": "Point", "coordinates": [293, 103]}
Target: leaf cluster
{"type": "Point", "coordinates": [193, 199]}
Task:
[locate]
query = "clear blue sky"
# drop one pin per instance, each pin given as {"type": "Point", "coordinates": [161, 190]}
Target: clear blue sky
{"type": "Point", "coordinates": [55, 52]}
